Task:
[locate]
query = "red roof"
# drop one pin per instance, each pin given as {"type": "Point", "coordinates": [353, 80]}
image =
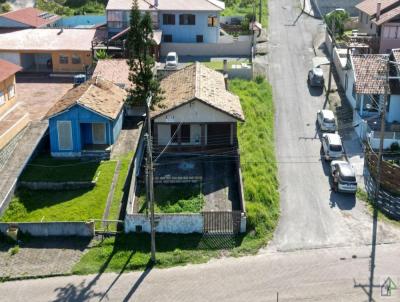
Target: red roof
{"type": "Point", "coordinates": [31, 16]}
{"type": "Point", "coordinates": [7, 69]}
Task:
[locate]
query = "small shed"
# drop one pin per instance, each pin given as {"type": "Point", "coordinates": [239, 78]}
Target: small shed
{"type": "Point", "coordinates": [87, 119]}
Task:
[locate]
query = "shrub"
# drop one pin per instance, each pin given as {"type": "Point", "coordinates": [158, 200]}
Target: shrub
{"type": "Point", "coordinates": [394, 147]}
{"type": "Point", "coordinates": [14, 250]}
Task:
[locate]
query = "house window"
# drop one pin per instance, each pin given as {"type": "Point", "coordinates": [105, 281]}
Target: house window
{"type": "Point", "coordinates": [185, 133]}
{"type": "Point", "coordinates": [167, 38]}
{"type": "Point", "coordinates": [212, 21]}
{"type": "Point", "coordinates": [63, 59]}
{"type": "Point", "coordinates": [11, 91]}
{"type": "Point", "coordinates": [174, 134]}
{"type": "Point", "coordinates": [169, 19]}
{"type": "Point", "coordinates": [76, 59]}
{"type": "Point", "coordinates": [353, 91]}
{"type": "Point", "coordinates": [64, 130]}
{"type": "Point", "coordinates": [199, 38]}
{"type": "Point", "coordinates": [2, 98]}
{"type": "Point", "coordinates": [187, 19]}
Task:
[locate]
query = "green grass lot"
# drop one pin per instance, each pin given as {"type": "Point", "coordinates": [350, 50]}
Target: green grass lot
{"type": "Point", "coordinates": [244, 7]}
{"type": "Point", "coordinates": [174, 199]}
{"type": "Point", "coordinates": [71, 205]}
{"type": "Point", "coordinates": [131, 251]}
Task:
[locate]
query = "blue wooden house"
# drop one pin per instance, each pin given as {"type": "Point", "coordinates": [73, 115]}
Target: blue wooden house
{"type": "Point", "coordinates": [87, 120]}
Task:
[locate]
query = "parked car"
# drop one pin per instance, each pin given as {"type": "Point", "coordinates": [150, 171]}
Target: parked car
{"type": "Point", "coordinates": [316, 77]}
{"type": "Point", "coordinates": [332, 147]}
{"type": "Point", "coordinates": [326, 120]}
{"type": "Point", "coordinates": [344, 177]}
{"type": "Point", "coordinates": [171, 63]}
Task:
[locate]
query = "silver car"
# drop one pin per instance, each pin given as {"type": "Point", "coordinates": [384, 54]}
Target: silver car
{"type": "Point", "coordinates": [344, 176]}
{"type": "Point", "coordinates": [332, 146]}
{"type": "Point", "coordinates": [326, 120]}
{"type": "Point", "coordinates": [316, 77]}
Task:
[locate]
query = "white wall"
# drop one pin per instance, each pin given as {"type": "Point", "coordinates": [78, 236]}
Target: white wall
{"type": "Point", "coordinates": [167, 223]}
{"type": "Point", "coordinates": [195, 112]}
{"type": "Point", "coordinates": [394, 109]}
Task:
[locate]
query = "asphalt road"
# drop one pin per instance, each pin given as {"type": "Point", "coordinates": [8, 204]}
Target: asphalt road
{"type": "Point", "coordinates": [313, 275]}
{"type": "Point", "coordinates": [311, 215]}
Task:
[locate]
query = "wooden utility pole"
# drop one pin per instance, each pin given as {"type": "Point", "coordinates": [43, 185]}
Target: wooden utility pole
{"type": "Point", "coordinates": [378, 180]}
{"type": "Point", "coordinates": [150, 179]}
{"type": "Point", "coordinates": [333, 29]}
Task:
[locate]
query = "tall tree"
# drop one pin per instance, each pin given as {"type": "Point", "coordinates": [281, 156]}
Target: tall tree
{"type": "Point", "coordinates": [141, 62]}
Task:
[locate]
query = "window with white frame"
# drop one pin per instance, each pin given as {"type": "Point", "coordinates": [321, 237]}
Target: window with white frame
{"type": "Point", "coordinates": [11, 91]}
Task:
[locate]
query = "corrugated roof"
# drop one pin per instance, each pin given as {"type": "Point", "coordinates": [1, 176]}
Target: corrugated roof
{"type": "Point", "coordinates": [370, 71]}
{"type": "Point", "coordinates": [114, 70]}
{"type": "Point", "coordinates": [369, 6]}
{"type": "Point", "coordinates": [168, 5]}
{"type": "Point", "coordinates": [197, 82]}
{"type": "Point", "coordinates": [48, 39]}
{"type": "Point", "coordinates": [7, 69]}
{"type": "Point", "coordinates": [97, 94]}
{"type": "Point", "coordinates": [31, 16]}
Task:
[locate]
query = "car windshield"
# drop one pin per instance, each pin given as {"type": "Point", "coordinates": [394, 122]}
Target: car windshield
{"type": "Point", "coordinates": [348, 178]}
{"type": "Point", "coordinates": [336, 148]}
{"type": "Point", "coordinates": [329, 120]}
{"type": "Point", "coordinates": [170, 58]}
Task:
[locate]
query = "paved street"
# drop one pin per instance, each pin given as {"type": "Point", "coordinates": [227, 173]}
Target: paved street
{"type": "Point", "coordinates": [315, 275]}
{"type": "Point", "coordinates": [312, 215]}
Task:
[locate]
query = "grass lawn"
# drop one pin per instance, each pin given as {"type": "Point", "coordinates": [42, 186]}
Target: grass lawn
{"type": "Point", "coordinates": [244, 7]}
{"type": "Point", "coordinates": [174, 199]}
{"type": "Point", "coordinates": [72, 205]}
{"type": "Point", "coordinates": [132, 251]}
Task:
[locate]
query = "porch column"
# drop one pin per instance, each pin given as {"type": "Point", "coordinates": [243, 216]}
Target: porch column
{"type": "Point", "coordinates": [203, 136]}
{"type": "Point", "coordinates": [232, 133]}
{"type": "Point", "coordinates": [179, 139]}
{"type": "Point", "coordinates": [155, 134]}
{"type": "Point", "coordinates": [361, 105]}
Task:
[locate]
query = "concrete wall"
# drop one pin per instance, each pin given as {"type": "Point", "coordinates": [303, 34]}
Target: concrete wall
{"type": "Point", "coordinates": [166, 223]}
{"type": "Point", "coordinates": [9, 100]}
{"type": "Point", "coordinates": [67, 185]}
{"type": "Point", "coordinates": [235, 48]}
{"type": "Point", "coordinates": [325, 6]}
{"type": "Point", "coordinates": [39, 229]}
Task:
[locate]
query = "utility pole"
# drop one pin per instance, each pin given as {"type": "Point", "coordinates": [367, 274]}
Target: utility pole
{"type": "Point", "coordinates": [150, 179]}
{"type": "Point", "coordinates": [378, 180]}
{"type": "Point", "coordinates": [333, 30]}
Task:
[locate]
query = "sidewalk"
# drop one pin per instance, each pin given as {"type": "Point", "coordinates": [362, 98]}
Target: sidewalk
{"type": "Point", "coordinates": [343, 112]}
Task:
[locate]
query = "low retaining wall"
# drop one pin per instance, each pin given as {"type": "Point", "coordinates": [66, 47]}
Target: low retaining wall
{"type": "Point", "coordinates": [165, 223]}
{"type": "Point", "coordinates": [43, 229]}
{"type": "Point", "coordinates": [68, 185]}
{"type": "Point", "coordinates": [234, 48]}
{"type": "Point", "coordinates": [177, 179]}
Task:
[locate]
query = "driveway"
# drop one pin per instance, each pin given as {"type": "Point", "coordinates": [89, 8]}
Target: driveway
{"type": "Point", "coordinates": [311, 215]}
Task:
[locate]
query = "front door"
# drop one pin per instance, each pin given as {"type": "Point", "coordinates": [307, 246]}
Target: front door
{"type": "Point", "coordinates": [99, 133]}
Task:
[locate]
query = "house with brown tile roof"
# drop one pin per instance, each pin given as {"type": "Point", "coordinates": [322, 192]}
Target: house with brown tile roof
{"type": "Point", "coordinates": [365, 91]}
{"type": "Point", "coordinates": [380, 19]}
{"type": "Point", "coordinates": [7, 84]}
{"type": "Point", "coordinates": [197, 111]}
{"type": "Point", "coordinates": [28, 17]}
{"type": "Point", "coordinates": [87, 119]}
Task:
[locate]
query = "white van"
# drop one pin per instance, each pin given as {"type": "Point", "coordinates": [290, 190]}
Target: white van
{"type": "Point", "coordinates": [332, 146]}
{"type": "Point", "coordinates": [171, 63]}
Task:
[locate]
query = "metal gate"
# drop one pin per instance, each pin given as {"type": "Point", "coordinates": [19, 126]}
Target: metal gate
{"type": "Point", "coordinates": [227, 222]}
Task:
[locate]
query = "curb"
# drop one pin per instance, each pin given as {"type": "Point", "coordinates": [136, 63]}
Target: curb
{"type": "Point", "coordinates": [32, 277]}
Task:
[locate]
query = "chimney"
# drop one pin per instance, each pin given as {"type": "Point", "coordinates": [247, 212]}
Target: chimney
{"type": "Point", "coordinates": [378, 11]}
